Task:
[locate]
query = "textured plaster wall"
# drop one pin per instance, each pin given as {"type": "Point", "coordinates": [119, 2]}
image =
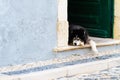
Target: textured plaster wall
{"type": "Point", "coordinates": [27, 30]}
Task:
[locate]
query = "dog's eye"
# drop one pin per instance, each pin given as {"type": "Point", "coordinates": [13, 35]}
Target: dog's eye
{"type": "Point", "coordinates": [73, 38]}
{"type": "Point", "coordinates": [78, 39]}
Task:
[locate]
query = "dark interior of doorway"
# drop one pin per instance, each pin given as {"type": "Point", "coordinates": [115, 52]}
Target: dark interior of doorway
{"type": "Point", "coordinates": [96, 16]}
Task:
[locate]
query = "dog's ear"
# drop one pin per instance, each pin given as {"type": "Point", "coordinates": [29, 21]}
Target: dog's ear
{"type": "Point", "coordinates": [71, 31]}
{"type": "Point", "coordinates": [84, 33]}
{"type": "Point", "coordinates": [86, 37]}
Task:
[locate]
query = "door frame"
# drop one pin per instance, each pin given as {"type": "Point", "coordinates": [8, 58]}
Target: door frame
{"type": "Point", "coordinates": [62, 23]}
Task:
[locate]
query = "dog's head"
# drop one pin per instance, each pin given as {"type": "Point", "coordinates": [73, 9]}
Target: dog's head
{"type": "Point", "coordinates": [77, 41]}
{"type": "Point", "coordinates": [77, 35]}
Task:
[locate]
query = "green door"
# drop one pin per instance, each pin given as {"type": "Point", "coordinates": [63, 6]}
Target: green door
{"type": "Point", "coordinates": [95, 15]}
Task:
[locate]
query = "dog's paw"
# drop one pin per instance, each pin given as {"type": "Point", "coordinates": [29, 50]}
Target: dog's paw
{"type": "Point", "coordinates": [96, 52]}
{"type": "Point", "coordinates": [93, 46]}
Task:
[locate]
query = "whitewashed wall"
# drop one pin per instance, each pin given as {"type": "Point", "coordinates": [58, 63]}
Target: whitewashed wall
{"type": "Point", "coordinates": [27, 30]}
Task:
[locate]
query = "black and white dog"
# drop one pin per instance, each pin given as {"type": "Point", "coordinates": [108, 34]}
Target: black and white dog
{"type": "Point", "coordinates": [78, 35]}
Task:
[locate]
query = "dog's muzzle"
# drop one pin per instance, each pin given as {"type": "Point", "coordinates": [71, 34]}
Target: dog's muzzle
{"type": "Point", "coordinates": [77, 41]}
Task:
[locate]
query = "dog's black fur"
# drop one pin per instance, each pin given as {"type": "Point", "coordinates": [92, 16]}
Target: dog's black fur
{"type": "Point", "coordinates": [79, 31]}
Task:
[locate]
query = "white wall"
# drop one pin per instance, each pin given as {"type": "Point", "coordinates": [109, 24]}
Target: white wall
{"type": "Point", "coordinates": [27, 30]}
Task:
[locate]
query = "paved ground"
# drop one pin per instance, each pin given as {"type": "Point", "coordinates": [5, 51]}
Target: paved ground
{"type": "Point", "coordinates": [109, 74]}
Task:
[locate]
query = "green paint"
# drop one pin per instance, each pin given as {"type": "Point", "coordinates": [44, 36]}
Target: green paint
{"type": "Point", "coordinates": [95, 15]}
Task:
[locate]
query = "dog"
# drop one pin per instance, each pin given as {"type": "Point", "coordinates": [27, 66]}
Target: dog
{"type": "Point", "coordinates": [78, 36]}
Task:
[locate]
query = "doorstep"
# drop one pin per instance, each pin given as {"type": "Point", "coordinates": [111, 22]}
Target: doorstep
{"type": "Point", "coordinates": [100, 42]}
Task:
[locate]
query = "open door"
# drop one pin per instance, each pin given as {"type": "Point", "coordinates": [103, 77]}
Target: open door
{"type": "Point", "coordinates": [95, 15]}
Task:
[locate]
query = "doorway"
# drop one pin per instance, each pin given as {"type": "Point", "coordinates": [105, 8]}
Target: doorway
{"type": "Point", "coordinates": [96, 16]}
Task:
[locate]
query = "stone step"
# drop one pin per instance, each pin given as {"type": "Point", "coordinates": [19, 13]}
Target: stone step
{"type": "Point", "coordinates": [100, 42]}
{"type": "Point", "coordinates": [108, 74]}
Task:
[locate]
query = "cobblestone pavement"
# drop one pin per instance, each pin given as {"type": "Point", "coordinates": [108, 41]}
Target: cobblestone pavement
{"type": "Point", "coordinates": [109, 74]}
